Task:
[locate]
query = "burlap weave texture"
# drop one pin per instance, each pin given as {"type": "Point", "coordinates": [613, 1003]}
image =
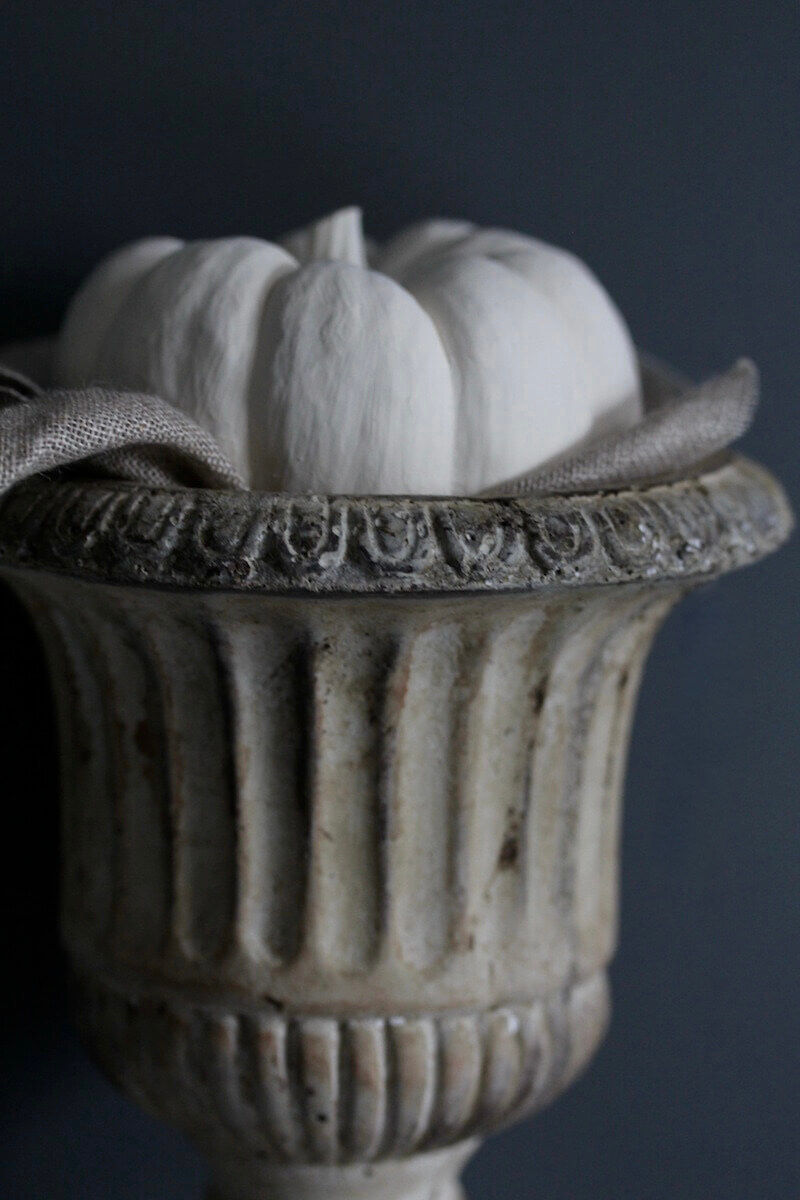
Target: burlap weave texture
{"type": "Point", "coordinates": [142, 438]}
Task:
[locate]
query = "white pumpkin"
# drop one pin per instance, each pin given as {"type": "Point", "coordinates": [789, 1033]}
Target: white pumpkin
{"type": "Point", "coordinates": [458, 358]}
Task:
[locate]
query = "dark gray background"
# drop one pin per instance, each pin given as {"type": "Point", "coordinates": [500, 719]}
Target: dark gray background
{"type": "Point", "coordinates": [662, 144]}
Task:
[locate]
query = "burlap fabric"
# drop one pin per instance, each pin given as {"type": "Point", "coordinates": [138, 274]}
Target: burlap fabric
{"type": "Point", "coordinates": [144, 439]}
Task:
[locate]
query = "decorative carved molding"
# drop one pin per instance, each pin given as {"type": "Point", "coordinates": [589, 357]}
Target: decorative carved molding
{"type": "Point", "coordinates": [187, 537]}
{"type": "Point", "coordinates": [298, 1089]}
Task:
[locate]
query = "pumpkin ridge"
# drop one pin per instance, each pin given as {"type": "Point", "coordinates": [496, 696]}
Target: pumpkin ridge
{"type": "Point", "coordinates": [85, 311]}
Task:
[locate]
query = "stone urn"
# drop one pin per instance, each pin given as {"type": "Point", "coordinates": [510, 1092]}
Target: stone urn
{"type": "Point", "coordinates": [341, 799]}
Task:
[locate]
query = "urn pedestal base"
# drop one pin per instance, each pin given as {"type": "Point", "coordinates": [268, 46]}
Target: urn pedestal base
{"type": "Point", "coordinates": [423, 1177]}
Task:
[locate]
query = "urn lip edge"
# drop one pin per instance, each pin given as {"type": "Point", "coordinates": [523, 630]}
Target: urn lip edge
{"type": "Point", "coordinates": [727, 514]}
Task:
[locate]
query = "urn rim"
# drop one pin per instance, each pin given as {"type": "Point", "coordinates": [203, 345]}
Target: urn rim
{"type": "Point", "coordinates": [725, 515]}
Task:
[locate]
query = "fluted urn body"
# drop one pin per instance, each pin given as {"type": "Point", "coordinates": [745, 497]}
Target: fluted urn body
{"type": "Point", "coordinates": [342, 785]}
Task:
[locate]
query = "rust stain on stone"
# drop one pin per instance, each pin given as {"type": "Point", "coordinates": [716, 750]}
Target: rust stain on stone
{"type": "Point", "coordinates": [145, 743]}
{"type": "Point", "coordinates": [538, 694]}
{"type": "Point", "coordinates": [509, 852]}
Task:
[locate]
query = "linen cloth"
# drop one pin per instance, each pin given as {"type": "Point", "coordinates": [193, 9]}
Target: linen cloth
{"type": "Point", "coordinates": [142, 438]}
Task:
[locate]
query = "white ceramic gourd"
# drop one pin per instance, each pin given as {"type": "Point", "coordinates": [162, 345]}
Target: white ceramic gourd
{"type": "Point", "coordinates": [452, 360]}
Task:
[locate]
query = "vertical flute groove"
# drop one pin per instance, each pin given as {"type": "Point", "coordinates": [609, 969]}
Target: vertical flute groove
{"type": "Point", "coordinates": [500, 724]}
{"type": "Point", "coordinates": [415, 1054]}
{"type": "Point", "coordinates": [582, 795]}
{"type": "Point", "coordinates": [626, 680]}
{"type": "Point", "coordinates": [474, 649]}
{"type": "Point", "coordinates": [346, 904]}
{"type": "Point", "coordinates": [87, 764]}
{"type": "Point", "coordinates": [143, 900]}
{"type": "Point", "coordinates": [268, 674]}
{"type": "Point", "coordinates": [366, 1099]}
{"type": "Point", "coordinates": [195, 695]}
{"type": "Point", "coordinates": [419, 819]}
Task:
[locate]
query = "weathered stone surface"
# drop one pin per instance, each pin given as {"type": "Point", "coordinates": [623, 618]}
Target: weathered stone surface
{"type": "Point", "coordinates": [253, 541]}
{"type": "Point", "coordinates": [342, 785]}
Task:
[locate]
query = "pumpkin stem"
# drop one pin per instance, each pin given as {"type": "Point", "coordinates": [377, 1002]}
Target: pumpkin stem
{"type": "Point", "coordinates": [338, 237]}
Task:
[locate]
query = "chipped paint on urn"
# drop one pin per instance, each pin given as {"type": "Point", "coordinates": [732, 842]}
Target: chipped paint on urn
{"type": "Point", "coordinates": [341, 797]}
